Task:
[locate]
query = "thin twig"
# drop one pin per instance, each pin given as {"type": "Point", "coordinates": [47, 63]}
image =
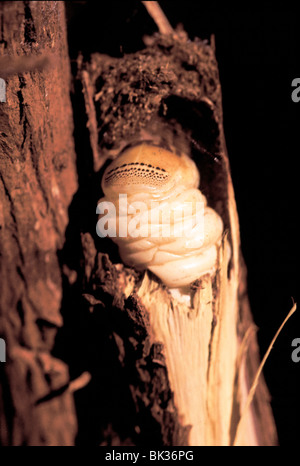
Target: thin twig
{"type": "Point", "coordinates": [159, 17]}
{"type": "Point", "coordinates": [257, 375]}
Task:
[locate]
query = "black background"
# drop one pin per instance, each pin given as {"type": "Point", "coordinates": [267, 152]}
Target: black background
{"type": "Point", "coordinates": [258, 54]}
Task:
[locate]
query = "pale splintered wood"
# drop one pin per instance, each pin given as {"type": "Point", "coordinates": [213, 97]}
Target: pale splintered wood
{"type": "Point", "coordinates": [248, 435]}
{"type": "Point", "coordinates": [200, 347]}
{"type": "Point", "coordinates": [185, 333]}
{"type": "Point", "coordinates": [222, 367]}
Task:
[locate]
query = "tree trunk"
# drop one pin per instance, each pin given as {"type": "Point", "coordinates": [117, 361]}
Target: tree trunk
{"type": "Point", "coordinates": [165, 371]}
{"type": "Point", "coordinates": [37, 182]}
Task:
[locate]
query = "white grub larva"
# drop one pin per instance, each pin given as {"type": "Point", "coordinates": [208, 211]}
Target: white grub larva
{"type": "Point", "coordinates": [149, 173]}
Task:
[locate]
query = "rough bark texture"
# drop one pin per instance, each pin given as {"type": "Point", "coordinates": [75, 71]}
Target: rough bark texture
{"type": "Point", "coordinates": [37, 182]}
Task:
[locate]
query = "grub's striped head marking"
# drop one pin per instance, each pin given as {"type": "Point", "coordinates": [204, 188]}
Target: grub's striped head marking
{"type": "Point", "coordinates": [148, 168]}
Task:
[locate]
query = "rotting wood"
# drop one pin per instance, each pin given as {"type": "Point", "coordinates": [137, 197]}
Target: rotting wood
{"type": "Point", "coordinates": [170, 92]}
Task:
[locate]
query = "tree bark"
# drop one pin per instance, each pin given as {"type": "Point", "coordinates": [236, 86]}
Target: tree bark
{"type": "Point", "coordinates": [37, 181]}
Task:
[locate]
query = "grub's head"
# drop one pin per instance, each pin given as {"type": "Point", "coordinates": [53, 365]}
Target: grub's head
{"type": "Point", "coordinates": [149, 169]}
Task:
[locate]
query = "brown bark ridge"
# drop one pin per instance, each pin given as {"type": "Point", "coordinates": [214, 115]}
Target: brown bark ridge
{"type": "Point", "coordinates": [37, 181]}
{"type": "Point", "coordinates": [188, 368]}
